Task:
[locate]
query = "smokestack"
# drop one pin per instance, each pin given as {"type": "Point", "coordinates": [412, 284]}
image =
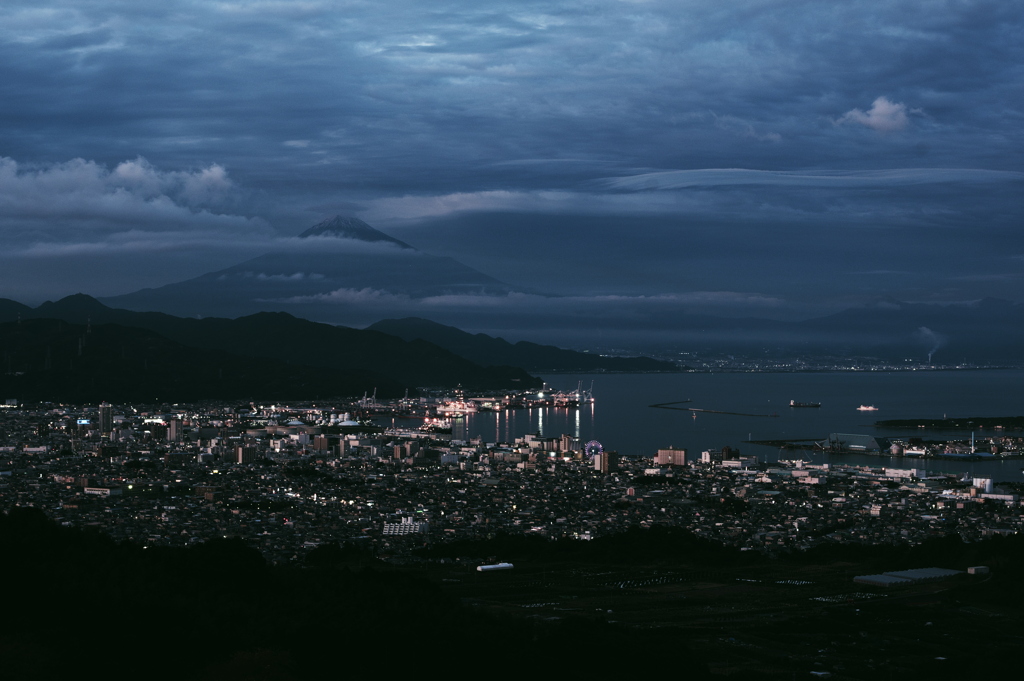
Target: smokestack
{"type": "Point", "coordinates": [931, 339]}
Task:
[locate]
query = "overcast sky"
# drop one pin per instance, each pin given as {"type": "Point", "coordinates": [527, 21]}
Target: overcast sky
{"type": "Point", "coordinates": [758, 156]}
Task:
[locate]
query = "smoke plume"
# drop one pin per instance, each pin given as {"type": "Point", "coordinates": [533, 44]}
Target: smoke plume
{"type": "Point", "coordinates": [931, 340]}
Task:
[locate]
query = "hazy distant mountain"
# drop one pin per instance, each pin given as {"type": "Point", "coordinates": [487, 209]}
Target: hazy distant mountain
{"type": "Point", "coordinates": [988, 330]}
{"type": "Point", "coordinates": [487, 350]}
{"type": "Point", "coordinates": [281, 337]}
{"type": "Point", "coordinates": [892, 313]}
{"type": "Point", "coordinates": [341, 261]}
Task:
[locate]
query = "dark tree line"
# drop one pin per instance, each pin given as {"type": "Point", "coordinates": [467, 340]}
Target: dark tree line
{"type": "Point", "coordinates": [77, 602]}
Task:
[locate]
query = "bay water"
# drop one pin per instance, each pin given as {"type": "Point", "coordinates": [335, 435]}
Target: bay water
{"type": "Point", "coordinates": [621, 417]}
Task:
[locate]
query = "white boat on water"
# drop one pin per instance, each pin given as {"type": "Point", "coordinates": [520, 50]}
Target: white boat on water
{"type": "Point", "coordinates": [865, 407]}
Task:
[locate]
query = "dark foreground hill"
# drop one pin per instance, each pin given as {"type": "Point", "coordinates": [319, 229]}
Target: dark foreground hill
{"type": "Point", "coordinates": [280, 336]}
{"type": "Point", "coordinates": [489, 351]}
{"type": "Point", "coordinates": [218, 610]}
{"type": "Point", "coordinates": [77, 601]}
{"type": "Point", "coordinates": [54, 361]}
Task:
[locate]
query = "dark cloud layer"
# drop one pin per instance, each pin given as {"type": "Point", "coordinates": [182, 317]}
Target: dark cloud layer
{"type": "Point", "coordinates": [808, 152]}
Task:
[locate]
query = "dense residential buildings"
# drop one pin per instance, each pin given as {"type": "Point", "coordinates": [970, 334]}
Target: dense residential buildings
{"type": "Point", "coordinates": [288, 480]}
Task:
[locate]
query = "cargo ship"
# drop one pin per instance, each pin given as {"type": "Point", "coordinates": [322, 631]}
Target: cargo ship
{"type": "Point", "coordinates": [436, 426]}
{"type": "Point", "coordinates": [804, 405]}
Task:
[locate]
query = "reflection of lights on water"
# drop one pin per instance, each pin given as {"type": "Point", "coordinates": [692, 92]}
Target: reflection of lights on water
{"type": "Point", "coordinates": [502, 426]}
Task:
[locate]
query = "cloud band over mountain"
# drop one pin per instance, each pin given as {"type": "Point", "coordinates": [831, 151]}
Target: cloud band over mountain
{"type": "Point", "coordinates": [583, 149]}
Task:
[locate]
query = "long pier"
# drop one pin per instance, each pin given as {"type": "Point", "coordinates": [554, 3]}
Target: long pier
{"type": "Point", "coordinates": [810, 444]}
{"type": "Point", "coordinates": [668, 405]}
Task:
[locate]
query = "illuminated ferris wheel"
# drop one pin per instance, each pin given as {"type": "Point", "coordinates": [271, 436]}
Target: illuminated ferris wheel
{"type": "Point", "coordinates": [592, 449]}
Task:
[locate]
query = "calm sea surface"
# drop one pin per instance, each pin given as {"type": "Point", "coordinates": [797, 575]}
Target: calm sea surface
{"type": "Point", "coordinates": [621, 419]}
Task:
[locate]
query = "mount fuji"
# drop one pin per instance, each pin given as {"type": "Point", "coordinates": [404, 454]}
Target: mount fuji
{"type": "Point", "coordinates": [341, 262]}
